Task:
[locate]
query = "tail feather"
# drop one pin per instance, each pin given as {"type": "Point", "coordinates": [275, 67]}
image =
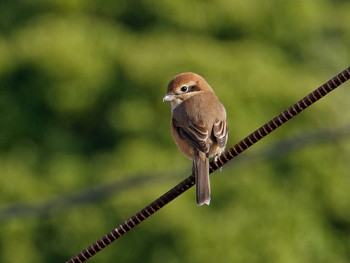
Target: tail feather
{"type": "Point", "coordinates": [201, 171]}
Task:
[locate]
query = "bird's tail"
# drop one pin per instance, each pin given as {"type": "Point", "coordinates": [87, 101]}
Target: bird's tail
{"type": "Point", "coordinates": [201, 172]}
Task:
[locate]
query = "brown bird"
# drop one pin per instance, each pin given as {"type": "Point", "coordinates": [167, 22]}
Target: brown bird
{"type": "Point", "coordinates": [198, 126]}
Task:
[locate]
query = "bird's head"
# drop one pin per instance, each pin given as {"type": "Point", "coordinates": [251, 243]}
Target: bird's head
{"type": "Point", "coordinates": [184, 86]}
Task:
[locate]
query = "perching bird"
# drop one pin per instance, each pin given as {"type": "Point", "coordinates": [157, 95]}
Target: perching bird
{"type": "Point", "coordinates": [198, 126]}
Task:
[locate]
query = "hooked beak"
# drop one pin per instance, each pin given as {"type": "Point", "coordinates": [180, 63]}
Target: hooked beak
{"type": "Point", "coordinates": [169, 97]}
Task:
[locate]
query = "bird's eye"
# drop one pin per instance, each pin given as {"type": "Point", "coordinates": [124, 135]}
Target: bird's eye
{"type": "Point", "coordinates": [184, 88]}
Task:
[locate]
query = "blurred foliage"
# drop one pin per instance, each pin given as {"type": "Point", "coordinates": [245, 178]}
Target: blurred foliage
{"type": "Point", "coordinates": [81, 86]}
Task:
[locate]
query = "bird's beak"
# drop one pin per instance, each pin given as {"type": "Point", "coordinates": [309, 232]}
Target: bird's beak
{"type": "Point", "coordinates": [169, 97]}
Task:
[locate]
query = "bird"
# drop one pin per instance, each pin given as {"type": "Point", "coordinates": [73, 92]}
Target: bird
{"type": "Point", "coordinates": [198, 126]}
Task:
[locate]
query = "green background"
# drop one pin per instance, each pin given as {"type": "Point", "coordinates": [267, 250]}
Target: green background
{"type": "Point", "coordinates": [85, 137]}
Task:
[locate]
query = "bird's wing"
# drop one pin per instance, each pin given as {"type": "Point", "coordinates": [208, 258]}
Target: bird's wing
{"type": "Point", "coordinates": [220, 132]}
{"type": "Point", "coordinates": [196, 134]}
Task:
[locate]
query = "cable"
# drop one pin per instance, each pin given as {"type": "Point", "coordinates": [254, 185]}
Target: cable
{"type": "Point", "coordinates": [228, 155]}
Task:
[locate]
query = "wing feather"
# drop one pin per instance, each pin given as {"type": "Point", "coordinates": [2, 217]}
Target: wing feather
{"type": "Point", "coordinates": [196, 135]}
{"type": "Point", "coordinates": [220, 132]}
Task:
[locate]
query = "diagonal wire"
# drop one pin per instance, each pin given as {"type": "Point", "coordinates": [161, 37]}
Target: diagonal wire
{"type": "Point", "coordinates": [222, 160]}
